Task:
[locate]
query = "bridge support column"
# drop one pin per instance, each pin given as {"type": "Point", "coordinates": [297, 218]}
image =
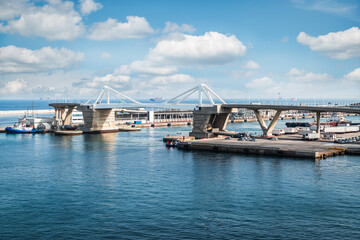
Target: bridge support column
{"type": "Point", "coordinates": [208, 120]}
{"type": "Point", "coordinates": [267, 130]}
{"type": "Point", "coordinates": [66, 116]}
{"type": "Point", "coordinates": [98, 120]}
{"type": "Point", "coordinates": [318, 122]}
{"type": "Point", "coordinates": [63, 115]}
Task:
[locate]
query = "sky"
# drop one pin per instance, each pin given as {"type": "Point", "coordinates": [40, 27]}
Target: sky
{"type": "Point", "coordinates": [145, 49]}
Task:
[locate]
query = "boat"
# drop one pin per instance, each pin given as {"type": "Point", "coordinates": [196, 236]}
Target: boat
{"type": "Point", "coordinates": [297, 124]}
{"type": "Point", "coordinates": [22, 127]}
{"type": "Point", "coordinates": [334, 121]}
{"type": "Point", "coordinates": [157, 99]}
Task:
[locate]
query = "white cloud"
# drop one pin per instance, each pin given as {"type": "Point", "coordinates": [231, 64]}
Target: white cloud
{"type": "Point", "coordinates": [145, 67]}
{"type": "Point", "coordinates": [353, 76]}
{"type": "Point", "coordinates": [111, 29]}
{"type": "Point", "coordinates": [105, 55]}
{"type": "Point", "coordinates": [250, 65]}
{"type": "Point", "coordinates": [210, 48]}
{"type": "Point", "coordinates": [13, 8]}
{"type": "Point", "coordinates": [302, 76]}
{"type": "Point", "coordinates": [89, 6]}
{"type": "Point", "coordinates": [41, 90]}
{"type": "Point", "coordinates": [112, 80]}
{"type": "Point", "coordinates": [176, 78]}
{"type": "Point", "coordinates": [338, 45]}
{"type": "Point", "coordinates": [173, 27]}
{"type": "Point", "coordinates": [16, 60]}
{"type": "Point", "coordinates": [260, 83]}
{"type": "Point", "coordinates": [13, 87]}
{"type": "Point", "coordinates": [54, 21]}
{"type": "Point", "coordinates": [186, 51]}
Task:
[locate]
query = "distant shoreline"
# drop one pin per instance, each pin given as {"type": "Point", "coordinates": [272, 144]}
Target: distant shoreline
{"type": "Point", "coordinates": [22, 112]}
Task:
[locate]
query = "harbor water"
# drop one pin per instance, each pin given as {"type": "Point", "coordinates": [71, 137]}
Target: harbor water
{"type": "Point", "coordinates": [130, 186]}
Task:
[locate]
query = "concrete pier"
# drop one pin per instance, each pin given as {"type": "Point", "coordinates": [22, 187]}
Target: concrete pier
{"type": "Point", "coordinates": [285, 147]}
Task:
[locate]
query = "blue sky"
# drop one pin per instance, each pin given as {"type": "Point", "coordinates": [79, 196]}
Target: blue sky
{"type": "Point", "coordinates": [241, 49]}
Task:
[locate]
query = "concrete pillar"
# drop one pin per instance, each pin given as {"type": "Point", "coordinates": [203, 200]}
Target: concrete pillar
{"type": "Point", "coordinates": [65, 116]}
{"type": "Point", "coordinates": [267, 131]}
{"type": "Point", "coordinates": [273, 123]}
{"type": "Point", "coordinates": [98, 120]}
{"type": "Point", "coordinates": [220, 121]}
{"type": "Point", "coordinates": [207, 119]}
{"type": "Point", "coordinates": [261, 121]}
{"type": "Point", "coordinates": [318, 122]}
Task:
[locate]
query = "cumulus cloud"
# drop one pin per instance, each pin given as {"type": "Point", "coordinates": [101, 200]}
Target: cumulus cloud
{"type": "Point", "coordinates": [260, 83]}
{"type": "Point", "coordinates": [168, 55]}
{"type": "Point", "coordinates": [176, 78]}
{"type": "Point", "coordinates": [210, 48]}
{"type": "Point", "coordinates": [302, 76]}
{"type": "Point", "coordinates": [112, 80]}
{"type": "Point", "coordinates": [338, 45]}
{"type": "Point", "coordinates": [161, 65]}
{"type": "Point", "coordinates": [111, 29]}
{"type": "Point", "coordinates": [145, 67]}
{"type": "Point", "coordinates": [54, 21]}
{"type": "Point", "coordinates": [173, 27]}
{"type": "Point", "coordinates": [13, 8]}
{"type": "Point", "coordinates": [353, 76]}
{"type": "Point", "coordinates": [41, 90]}
{"type": "Point", "coordinates": [89, 6]}
{"type": "Point", "coordinates": [13, 87]}
{"type": "Point", "coordinates": [19, 60]}
{"type": "Point", "coordinates": [250, 65]}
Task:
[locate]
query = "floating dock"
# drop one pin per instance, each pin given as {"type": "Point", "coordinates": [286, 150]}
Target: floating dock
{"type": "Point", "coordinates": [284, 147]}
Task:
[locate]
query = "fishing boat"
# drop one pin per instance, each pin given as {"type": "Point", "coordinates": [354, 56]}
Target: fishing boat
{"type": "Point", "coordinates": [22, 127]}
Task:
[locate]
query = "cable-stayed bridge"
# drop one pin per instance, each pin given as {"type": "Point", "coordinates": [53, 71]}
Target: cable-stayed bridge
{"type": "Point", "coordinates": [209, 116]}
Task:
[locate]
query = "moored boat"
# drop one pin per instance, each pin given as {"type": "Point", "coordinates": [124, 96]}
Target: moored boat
{"type": "Point", "coordinates": [21, 127]}
{"type": "Point", "coordinates": [297, 124]}
{"type": "Point", "coordinates": [334, 121]}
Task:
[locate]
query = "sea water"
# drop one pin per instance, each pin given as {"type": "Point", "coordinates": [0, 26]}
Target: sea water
{"type": "Point", "coordinates": [130, 186]}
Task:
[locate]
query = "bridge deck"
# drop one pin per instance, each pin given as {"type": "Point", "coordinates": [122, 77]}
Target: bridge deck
{"type": "Point", "coordinates": [289, 107]}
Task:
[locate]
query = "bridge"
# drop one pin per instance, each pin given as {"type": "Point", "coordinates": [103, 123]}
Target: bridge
{"type": "Point", "coordinates": [208, 118]}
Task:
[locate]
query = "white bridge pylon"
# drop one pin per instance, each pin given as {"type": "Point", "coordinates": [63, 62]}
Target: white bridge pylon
{"type": "Point", "coordinates": [201, 88]}
{"type": "Point", "coordinates": [105, 92]}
